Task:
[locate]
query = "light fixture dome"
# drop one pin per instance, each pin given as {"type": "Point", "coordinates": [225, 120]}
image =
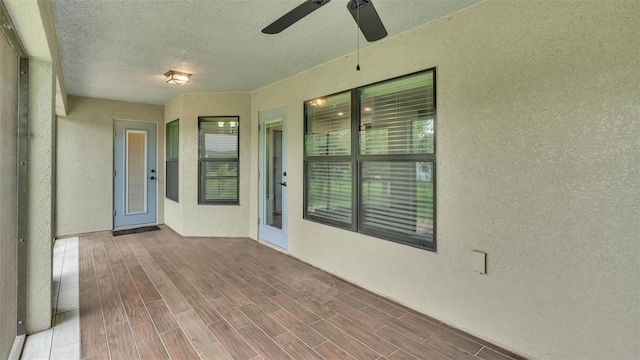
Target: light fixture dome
{"type": "Point", "coordinates": [317, 102]}
{"type": "Point", "coordinates": [177, 77]}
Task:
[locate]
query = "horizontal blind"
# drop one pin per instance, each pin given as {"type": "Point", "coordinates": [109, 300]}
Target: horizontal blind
{"type": "Point", "coordinates": [397, 197]}
{"type": "Point", "coordinates": [219, 138]}
{"type": "Point", "coordinates": [397, 116]}
{"type": "Point", "coordinates": [329, 190]}
{"type": "Point", "coordinates": [392, 165]}
{"type": "Point", "coordinates": [219, 181]}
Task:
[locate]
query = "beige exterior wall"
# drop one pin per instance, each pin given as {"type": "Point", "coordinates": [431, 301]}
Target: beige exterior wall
{"type": "Point", "coordinates": [9, 68]}
{"type": "Point", "coordinates": [538, 136]}
{"type": "Point", "coordinates": [41, 205]}
{"type": "Point", "coordinates": [191, 219]}
{"type": "Point", "coordinates": [85, 162]}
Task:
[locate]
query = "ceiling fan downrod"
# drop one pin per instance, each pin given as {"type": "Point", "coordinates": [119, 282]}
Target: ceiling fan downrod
{"type": "Point", "coordinates": [358, 6]}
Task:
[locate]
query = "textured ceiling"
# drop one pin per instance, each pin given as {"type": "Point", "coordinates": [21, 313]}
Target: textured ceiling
{"type": "Point", "coordinates": [121, 49]}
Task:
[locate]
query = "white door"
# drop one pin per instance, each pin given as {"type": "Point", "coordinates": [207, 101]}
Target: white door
{"type": "Point", "coordinates": [273, 177]}
{"type": "Point", "coordinates": [134, 174]}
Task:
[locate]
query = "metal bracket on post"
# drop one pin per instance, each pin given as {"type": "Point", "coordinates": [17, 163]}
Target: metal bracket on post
{"type": "Point", "coordinates": [23, 181]}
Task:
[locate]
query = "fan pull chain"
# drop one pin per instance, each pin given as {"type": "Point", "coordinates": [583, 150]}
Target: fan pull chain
{"type": "Point", "coordinates": [358, 34]}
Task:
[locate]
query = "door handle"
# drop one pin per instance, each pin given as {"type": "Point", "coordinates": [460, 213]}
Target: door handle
{"type": "Point", "coordinates": [283, 184]}
{"type": "Point", "coordinates": [152, 178]}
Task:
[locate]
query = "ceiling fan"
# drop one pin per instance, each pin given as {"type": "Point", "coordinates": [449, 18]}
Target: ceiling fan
{"type": "Point", "coordinates": [362, 11]}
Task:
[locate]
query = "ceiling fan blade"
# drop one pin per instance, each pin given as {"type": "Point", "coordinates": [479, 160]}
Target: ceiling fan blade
{"type": "Point", "coordinates": [294, 15]}
{"type": "Point", "coordinates": [370, 23]}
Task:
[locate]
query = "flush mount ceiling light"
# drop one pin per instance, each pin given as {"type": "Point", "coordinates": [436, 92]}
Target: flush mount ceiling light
{"type": "Point", "coordinates": [177, 77]}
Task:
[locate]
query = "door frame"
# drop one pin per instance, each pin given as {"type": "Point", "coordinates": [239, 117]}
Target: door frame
{"type": "Point", "coordinates": [155, 167]}
{"type": "Point", "coordinates": [267, 233]}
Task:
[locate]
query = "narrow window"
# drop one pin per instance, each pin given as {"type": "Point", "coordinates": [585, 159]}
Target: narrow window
{"type": "Point", "coordinates": [172, 145]}
{"type": "Point", "coordinates": [370, 160]}
{"type": "Point", "coordinates": [218, 159]}
{"type": "Point", "coordinates": [327, 154]}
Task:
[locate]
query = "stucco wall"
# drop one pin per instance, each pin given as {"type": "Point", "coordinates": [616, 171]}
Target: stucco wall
{"type": "Point", "coordinates": [85, 162]}
{"type": "Point", "coordinates": [40, 208]}
{"type": "Point", "coordinates": [9, 196]}
{"type": "Point", "coordinates": [538, 143]}
{"type": "Point", "coordinates": [209, 220]}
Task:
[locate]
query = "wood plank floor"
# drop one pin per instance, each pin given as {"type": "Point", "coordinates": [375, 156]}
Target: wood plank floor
{"type": "Point", "coordinates": [157, 295]}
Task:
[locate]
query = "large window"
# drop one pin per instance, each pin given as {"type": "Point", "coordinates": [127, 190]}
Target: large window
{"type": "Point", "coordinates": [370, 160]}
{"type": "Point", "coordinates": [218, 160]}
{"type": "Point", "coordinates": [172, 134]}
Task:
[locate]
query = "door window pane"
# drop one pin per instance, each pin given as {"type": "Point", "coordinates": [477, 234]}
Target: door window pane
{"type": "Point", "coordinates": [274, 178]}
{"type": "Point", "coordinates": [136, 179]}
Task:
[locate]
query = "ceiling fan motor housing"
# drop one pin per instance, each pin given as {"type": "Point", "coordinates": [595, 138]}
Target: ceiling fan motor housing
{"type": "Point", "coordinates": [357, 4]}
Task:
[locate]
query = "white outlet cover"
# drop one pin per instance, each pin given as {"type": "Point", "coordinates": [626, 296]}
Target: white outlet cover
{"type": "Point", "coordinates": [479, 262]}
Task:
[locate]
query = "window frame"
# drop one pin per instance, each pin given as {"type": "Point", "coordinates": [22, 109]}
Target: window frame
{"type": "Point", "coordinates": [175, 160]}
{"type": "Point", "coordinates": [201, 161]}
{"type": "Point", "coordinates": [357, 161]}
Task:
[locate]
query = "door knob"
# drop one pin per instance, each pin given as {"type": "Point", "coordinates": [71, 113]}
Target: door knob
{"type": "Point", "coordinates": [283, 183]}
{"type": "Point", "coordinates": [152, 178]}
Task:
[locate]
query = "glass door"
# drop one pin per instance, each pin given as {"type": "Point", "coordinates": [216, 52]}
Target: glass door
{"type": "Point", "coordinates": [134, 164]}
{"type": "Point", "coordinates": [273, 177]}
